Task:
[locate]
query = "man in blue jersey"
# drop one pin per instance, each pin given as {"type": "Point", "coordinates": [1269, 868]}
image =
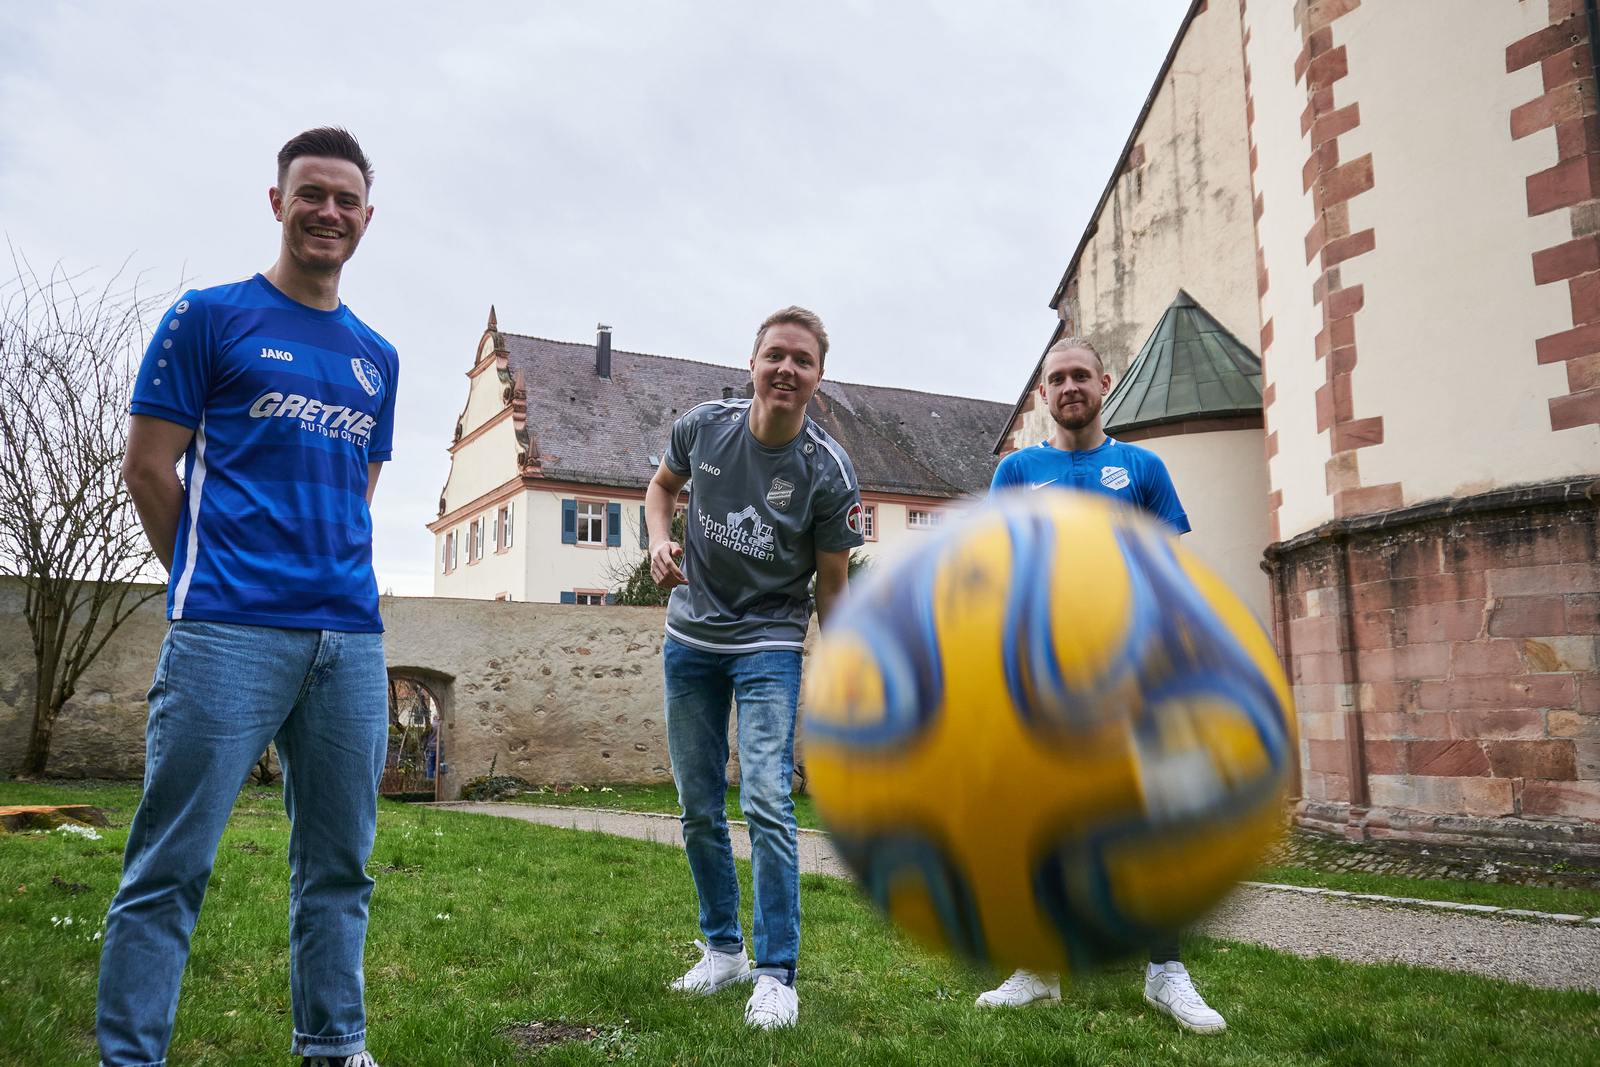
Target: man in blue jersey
{"type": "Point", "coordinates": [1073, 384]}
{"type": "Point", "coordinates": [280, 404]}
{"type": "Point", "coordinates": [774, 501]}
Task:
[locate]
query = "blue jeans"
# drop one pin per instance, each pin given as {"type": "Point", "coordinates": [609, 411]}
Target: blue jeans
{"type": "Point", "coordinates": [700, 688]}
{"type": "Point", "coordinates": [221, 692]}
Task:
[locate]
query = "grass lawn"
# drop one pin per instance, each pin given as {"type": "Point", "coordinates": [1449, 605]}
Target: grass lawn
{"type": "Point", "coordinates": [661, 797]}
{"type": "Point", "coordinates": [559, 925]}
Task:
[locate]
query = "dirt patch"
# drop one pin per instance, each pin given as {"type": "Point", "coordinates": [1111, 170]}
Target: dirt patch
{"type": "Point", "coordinates": [535, 1036]}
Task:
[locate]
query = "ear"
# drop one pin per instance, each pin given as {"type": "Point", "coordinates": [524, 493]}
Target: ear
{"type": "Point", "coordinates": [1105, 384]}
{"type": "Point", "coordinates": [275, 198]}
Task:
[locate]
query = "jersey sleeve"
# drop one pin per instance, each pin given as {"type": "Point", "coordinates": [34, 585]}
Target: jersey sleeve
{"type": "Point", "coordinates": [682, 440]}
{"type": "Point", "coordinates": [380, 446]}
{"type": "Point", "coordinates": [175, 376]}
{"type": "Point", "coordinates": [1159, 498]}
{"type": "Point", "coordinates": [1007, 475]}
{"type": "Point", "coordinates": [838, 526]}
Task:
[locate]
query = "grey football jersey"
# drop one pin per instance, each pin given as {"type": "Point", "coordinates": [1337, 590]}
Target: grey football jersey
{"type": "Point", "coordinates": [757, 517]}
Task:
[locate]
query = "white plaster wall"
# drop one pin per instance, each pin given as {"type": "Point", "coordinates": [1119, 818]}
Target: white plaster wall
{"type": "Point", "coordinates": [1221, 478]}
{"type": "Point", "coordinates": [482, 465]}
{"type": "Point", "coordinates": [1291, 366]}
{"type": "Point", "coordinates": [1183, 219]}
{"type": "Point", "coordinates": [485, 398]}
{"type": "Point", "coordinates": [1451, 312]}
{"type": "Point", "coordinates": [553, 567]}
{"type": "Point", "coordinates": [896, 539]}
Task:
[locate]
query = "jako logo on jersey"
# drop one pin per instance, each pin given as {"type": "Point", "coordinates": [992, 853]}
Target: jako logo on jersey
{"type": "Point", "coordinates": [367, 375]}
{"type": "Point", "coordinates": [852, 518]}
{"type": "Point", "coordinates": [1113, 477]}
{"type": "Point", "coordinates": [778, 496]}
{"type": "Point", "coordinates": [274, 353]}
{"type": "Point", "coordinates": [709, 469]}
{"type": "Point", "coordinates": [354, 420]}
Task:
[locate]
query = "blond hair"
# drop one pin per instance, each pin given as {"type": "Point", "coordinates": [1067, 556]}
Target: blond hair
{"type": "Point", "coordinates": [1066, 344]}
{"type": "Point", "coordinates": [797, 316]}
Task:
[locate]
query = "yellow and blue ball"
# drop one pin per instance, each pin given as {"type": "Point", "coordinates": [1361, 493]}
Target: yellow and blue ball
{"type": "Point", "coordinates": [1050, 738]}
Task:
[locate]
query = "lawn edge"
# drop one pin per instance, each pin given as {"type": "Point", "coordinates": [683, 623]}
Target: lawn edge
{"type": "Point", "coordinates": [1562, 918]}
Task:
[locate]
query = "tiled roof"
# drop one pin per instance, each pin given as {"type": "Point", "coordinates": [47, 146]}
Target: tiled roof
{"type": "Point", "coordinates": [1190, 368]}
{"type": "Point", "coordinates": [584, 428]}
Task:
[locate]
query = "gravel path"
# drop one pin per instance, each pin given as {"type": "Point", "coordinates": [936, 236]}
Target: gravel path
{"type": "Point", "coordinates": [1552, 955]}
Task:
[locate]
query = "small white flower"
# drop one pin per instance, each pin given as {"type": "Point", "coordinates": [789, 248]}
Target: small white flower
{"type": "Point", "coordinates": [67, 921]}
{"type": "Point", "coordinates": [96, 936]}
{"type": "Point", "coordinates": [443, 915]}
{"type": "Point", "coordinates": [438, 833]}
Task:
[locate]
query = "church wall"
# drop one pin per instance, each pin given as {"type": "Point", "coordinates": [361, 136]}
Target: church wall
{"type": "Point", "coordinates": [1451, 311]}
{"type": "Point", "coordinates": [1180, 214]}
{"type": "Point", "coordinates": [1222, 482]}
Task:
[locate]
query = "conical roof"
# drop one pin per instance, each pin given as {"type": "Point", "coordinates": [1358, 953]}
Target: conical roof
{"type": "Point", "coordinates": [1190, 368]}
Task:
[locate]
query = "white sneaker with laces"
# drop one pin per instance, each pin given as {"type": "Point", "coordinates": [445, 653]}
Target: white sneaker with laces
{"type": "Point", "coordinates": [360, 1059]}
{"type": "Point", "coordinates": [1171, 990]}
{"type": "Point", "coordinates": [716, 970]}
{"type": "Point", "coordinates": [772, 1005]}
{"type": "Point", "coordinates": [1022, 989]}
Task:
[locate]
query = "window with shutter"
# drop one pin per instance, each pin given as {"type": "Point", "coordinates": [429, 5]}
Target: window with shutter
{"type": "Point", "coordinates": [569, 522]}
{"type": "Point", "coordinates": [614, 525]}
{"type": "Point", "coordinates": [644, 529]}
{"type": "Point", "coordinates": [507, 528]}
{"type": "Point", "coordinates": [569, 597]}
{"type": "Point", "coordinates": [444, 555]}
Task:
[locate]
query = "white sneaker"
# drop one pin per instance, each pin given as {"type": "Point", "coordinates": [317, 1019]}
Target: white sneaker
{"type": "Point", "coordinates": [1171, 990]}
{"type": "Point", "coordinates": [1021, 989]}
{"type": "Point", "coordinates": [772, 1005]}
{"type": "Point", "coordinates": [360, 1059]}
{"type": "Point", "coordinates": [715, 971]}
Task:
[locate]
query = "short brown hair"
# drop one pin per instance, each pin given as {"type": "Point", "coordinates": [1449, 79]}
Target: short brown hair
{"type": "Point", "coordinates": [798, 316]}
{"type": "Point", "coordinates": [1068, 343]}
{"type": "Point", "coordinates": [330, 142]}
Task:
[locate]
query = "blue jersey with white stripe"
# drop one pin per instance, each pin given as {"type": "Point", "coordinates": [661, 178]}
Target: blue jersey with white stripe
{"type": "Point", "coordinates": [1129, 473]}
{"type": "Point", "coordinates": [289, 404]}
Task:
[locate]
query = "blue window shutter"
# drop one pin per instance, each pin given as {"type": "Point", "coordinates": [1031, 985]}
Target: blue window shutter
{"type": "Point", "coordinates": [611, 598]}
{"type": "Point", "coordinates": [569, 597]}
{"type": "Point", "coordinates": [614, 525]}
{"type": "Point", "coordinates": [569, 528]}
{"type": "Point", "coordinates": [644, 529]}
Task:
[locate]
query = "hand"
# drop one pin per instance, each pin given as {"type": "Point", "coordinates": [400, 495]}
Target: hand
{"type": "Point", "coordinates": [663, 571]}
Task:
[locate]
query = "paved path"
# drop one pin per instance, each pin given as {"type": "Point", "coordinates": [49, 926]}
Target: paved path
{"type": "Point", "coordinates": [1553, 955]}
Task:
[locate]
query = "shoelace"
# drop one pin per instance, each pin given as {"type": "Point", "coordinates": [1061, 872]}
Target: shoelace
{"type": "Point", "coordinates": [1018, 982]}
{"type": "Point", "coordinates": [1183, 988]}
{"type": "Point", "coordinates": [767, 996]}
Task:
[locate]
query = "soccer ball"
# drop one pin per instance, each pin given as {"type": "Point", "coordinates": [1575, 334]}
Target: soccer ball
{"type": "Point", "coordinates": [1050, 738]}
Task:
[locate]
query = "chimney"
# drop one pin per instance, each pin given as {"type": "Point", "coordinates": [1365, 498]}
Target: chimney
{"type": "Point", "coordinates": [602, 352]}
{"type": "Point", "coordinates": [727, 392]}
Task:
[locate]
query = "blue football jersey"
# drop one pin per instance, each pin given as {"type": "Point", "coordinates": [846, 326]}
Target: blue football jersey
{"type": "Point", "coordinates": [288, 404]}
{"type": "Point", "coordinates": [1129, 473]}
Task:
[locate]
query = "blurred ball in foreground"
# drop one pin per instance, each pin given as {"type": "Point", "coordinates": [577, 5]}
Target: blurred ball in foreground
{"type": "Point", "coordinates": [1050, 737]}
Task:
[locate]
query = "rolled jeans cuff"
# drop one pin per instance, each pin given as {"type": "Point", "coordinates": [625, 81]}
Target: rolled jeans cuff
{"type": "Point", "coordinates": [782, 974]}
{"type": "Point", "coordinates": [345, 1045]}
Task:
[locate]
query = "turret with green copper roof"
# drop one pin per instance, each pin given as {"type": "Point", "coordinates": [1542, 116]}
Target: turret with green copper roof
{"type": "Point", "coordinates": [1189, 369]}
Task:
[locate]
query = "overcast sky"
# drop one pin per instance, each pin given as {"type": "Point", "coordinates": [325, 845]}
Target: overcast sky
{"type": "Point", "coordinates": [918, 174]}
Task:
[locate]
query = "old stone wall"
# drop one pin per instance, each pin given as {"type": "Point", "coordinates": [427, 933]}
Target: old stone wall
{"type": "Point", "coordinates": [554, 693]}
{"type": "Point", "coordinates": [1444, 665]}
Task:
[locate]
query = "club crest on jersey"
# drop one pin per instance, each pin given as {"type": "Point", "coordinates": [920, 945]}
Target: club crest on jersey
{"type": "Point", "coordinates": [1114, 477]}
{"type": "Point", "coordinates": [367, 375]}
{"type": "Point", "coordinates": [852, 518]}
{"type": "Point", "coordinates": [778, 496]}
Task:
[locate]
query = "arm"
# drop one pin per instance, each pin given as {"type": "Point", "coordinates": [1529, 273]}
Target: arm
{"type": "Point", "coordinates": [149, 469]}
{"type": "Point", "coordinates": [373, 470]}
{"type": "Point", "coordinates": [659, 500]}
{"type": "Point", "coordinates": [833, 582]}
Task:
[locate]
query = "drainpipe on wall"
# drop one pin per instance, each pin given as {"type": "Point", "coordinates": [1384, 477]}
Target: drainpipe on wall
{"type": "Point", "coordinates": [1285, 646]}
{"type": "Point", "coordinates": [1350, 671]}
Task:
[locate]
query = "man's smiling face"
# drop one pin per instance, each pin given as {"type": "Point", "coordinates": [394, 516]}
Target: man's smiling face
{"type": "Point", "coordinates": [322, 204]}
{"type": "Point", "coordinates": [1073, 386]}
{"type": "Point", "coordinates": [788, 367]}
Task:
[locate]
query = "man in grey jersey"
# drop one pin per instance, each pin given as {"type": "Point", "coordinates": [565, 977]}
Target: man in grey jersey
{"type": "Point", "coordinates": [774, 500]}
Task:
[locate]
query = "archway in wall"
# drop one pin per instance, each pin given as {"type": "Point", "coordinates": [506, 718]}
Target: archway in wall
{"type": "Point", "coordinates": [419, 700]}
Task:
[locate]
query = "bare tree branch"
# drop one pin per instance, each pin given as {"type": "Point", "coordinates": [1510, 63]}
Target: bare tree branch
{"type": "Point", "coordinates": [68, 530]}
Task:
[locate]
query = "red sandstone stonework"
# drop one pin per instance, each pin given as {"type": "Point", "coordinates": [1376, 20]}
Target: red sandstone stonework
{"type": "Point", "coordinates": [1444, 661]}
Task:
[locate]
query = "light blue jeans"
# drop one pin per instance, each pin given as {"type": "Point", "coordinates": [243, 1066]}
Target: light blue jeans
{"type": "Point", "coordinates": [701, 687]}
{"type": "Point", "coordinates": [221, 692]}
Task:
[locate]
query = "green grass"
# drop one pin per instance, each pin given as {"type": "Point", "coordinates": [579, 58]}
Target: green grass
{"type": "Point", "coordinates": [554, 924]}
{"type": "Point", "coordinates": [657, 797]}
{"type": "Point", "coordinates": [1533, 898]}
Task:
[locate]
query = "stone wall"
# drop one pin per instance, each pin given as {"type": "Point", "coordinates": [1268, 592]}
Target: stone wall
{"type": "Point", "coordinates": [1444, 665]}
{"type": "Point", "coordinates": [554, 693]}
